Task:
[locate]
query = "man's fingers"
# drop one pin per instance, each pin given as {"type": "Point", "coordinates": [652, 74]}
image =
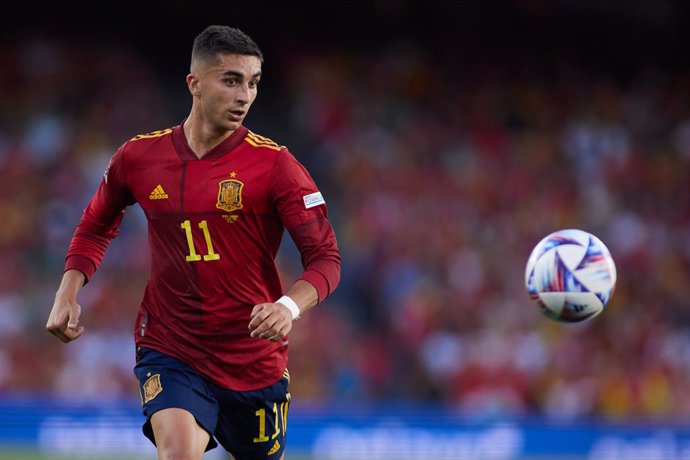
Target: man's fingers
{"type": "Point", "coordinates": [68, 334]}
{"type": "Point", "coordinates": [65, 328]}
{"type": "Point", "coordinates": [60, 335]}
{"type": "Point", "coordinates": [257, 309]}
{"type": "Point", "coordinates": [264, 328]}
{"type": "Point", "coordinates": [73, 333]}
{"type": "Point", "coordinates": [258, 315]}
{"type": "Point", "coordinates": [280, 335]}
{"type": "Point", "coordinates": [74, 313]}
{"type": "Point", "coordinates": [270, 321]}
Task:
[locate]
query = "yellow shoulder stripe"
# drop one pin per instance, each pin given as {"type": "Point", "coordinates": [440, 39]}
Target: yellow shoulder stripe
{"type": "Point", "coordinates": [259, 137]}
{"type": "Point", "coordinates": [260, 141]}
{"type": "Point", "coordinates": [152, 134]}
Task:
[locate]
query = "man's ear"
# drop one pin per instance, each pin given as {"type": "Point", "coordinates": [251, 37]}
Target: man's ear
{"type": "Point", "coordinates": [193, 84]}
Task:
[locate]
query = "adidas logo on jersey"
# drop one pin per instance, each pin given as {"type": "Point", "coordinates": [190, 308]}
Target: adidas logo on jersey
{"type": "Point", "coordinates": [274, 449]}
{"type": "Point", "coordinates": [158, 193]}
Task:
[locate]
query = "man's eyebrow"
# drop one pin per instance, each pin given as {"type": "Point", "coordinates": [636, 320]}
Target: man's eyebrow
{"type": "Point", "coordinates": [235, 73]}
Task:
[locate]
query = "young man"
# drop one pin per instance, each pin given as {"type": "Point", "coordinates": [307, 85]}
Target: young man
{"type": "Point", "coordinates": [211, 332]}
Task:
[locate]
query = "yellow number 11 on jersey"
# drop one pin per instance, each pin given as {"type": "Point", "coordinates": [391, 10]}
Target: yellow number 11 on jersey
{"type": "Point", "coordinates": [193, 256]}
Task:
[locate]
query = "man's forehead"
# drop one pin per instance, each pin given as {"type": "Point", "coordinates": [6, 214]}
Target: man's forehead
{"type": "Point", "coordinates": [237, 63]}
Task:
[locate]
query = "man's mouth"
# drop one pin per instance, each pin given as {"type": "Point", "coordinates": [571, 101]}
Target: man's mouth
{"type": "Point", "coordinates": [236, 115]}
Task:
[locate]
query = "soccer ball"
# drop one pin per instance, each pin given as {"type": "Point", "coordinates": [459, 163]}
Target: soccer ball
{"type": "Point", "coordinates": [570, 275]}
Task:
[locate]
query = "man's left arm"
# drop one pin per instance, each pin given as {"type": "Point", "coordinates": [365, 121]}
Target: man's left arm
{"type": "Point", "coordinates": [321, 260]}
{"type": "Point", "coordinates": [303, 211]}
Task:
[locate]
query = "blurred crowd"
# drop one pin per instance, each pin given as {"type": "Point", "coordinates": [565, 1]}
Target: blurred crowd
{"type": "Point", "coordinates": [440, 173]}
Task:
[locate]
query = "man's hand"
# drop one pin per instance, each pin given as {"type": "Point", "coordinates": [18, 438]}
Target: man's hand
{"type": "Point", "coordinates": [272, 321]}
{"type": "Point", "coordinates": [63, 321]}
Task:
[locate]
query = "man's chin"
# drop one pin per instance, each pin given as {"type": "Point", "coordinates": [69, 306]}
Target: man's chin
{"type": "Point", "coordinates": [231, 125]}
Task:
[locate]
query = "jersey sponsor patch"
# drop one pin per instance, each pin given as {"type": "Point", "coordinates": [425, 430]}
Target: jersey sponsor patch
{"type": "Point", "coordinates": [313, 199]}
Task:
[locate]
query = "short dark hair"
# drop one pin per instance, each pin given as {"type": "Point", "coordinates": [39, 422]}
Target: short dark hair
{"type": "Point", "coordinates": [217, 39]}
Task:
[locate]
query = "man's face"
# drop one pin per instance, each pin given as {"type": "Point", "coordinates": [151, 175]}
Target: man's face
{"type": "Point", "coordinates": [226, 88]}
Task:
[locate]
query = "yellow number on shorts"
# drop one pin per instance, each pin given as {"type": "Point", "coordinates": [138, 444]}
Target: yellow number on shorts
{"type": "Point", "coordinates": [278, 414]}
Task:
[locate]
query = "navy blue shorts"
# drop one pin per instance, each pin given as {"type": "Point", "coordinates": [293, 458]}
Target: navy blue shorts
{"type": "Point", "coordinates": [249, 424]}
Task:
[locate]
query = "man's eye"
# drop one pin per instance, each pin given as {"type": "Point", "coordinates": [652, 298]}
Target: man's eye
{"type": "Point", "coordinates": [231, 81]}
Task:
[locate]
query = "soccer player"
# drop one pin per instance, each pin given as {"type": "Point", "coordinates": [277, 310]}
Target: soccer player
{"type": "Point", "coordinates": [211, 331]}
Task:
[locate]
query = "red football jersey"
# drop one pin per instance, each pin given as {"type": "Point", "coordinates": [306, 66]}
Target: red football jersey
{"type": "Point", "coordinates": [214, 226]}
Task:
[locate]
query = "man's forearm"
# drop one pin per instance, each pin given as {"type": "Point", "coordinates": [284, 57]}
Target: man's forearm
{"type": "Point", "coordinates": [72, 281]}
{"type": "Point", "coordinates": [304, 294]}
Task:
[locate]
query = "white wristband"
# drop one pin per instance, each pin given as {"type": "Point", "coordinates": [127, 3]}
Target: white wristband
{"type": "Point", "coordinates": [290, 305]}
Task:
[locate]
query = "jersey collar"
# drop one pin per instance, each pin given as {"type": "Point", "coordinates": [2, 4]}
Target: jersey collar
{"type": "Point", "coordinates": [186, 153]}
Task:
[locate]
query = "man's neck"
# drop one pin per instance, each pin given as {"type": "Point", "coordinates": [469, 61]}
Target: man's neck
{"type": "Point", "coordinates": [200, 138]}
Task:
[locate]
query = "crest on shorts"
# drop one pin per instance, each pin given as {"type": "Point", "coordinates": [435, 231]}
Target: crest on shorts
{"type": "Point", "coordinates": [230, 195]}
{"type": "Point", "coordinates": [152, 387]}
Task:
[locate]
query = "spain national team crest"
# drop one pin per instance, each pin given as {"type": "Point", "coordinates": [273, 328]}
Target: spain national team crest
{"type": "Point", "coordinates": [230, 195]}
{"type": "Point", "coordinates": [152, 387]}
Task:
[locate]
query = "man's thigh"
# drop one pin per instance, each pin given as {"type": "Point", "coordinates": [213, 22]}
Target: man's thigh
{"type": "Point", "coordinates": [178, 435]}
{"type": "Point", "coordinates": [166, 383]}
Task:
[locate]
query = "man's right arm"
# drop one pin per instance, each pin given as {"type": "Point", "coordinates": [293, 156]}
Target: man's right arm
{"type": "Point", "coordinates": [99, 224]}
{"type": "Point", "coordinates": [101, 220]}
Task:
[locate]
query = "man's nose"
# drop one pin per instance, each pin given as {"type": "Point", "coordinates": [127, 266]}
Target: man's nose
{"type": "Point", "coordinates": [243, 94]}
